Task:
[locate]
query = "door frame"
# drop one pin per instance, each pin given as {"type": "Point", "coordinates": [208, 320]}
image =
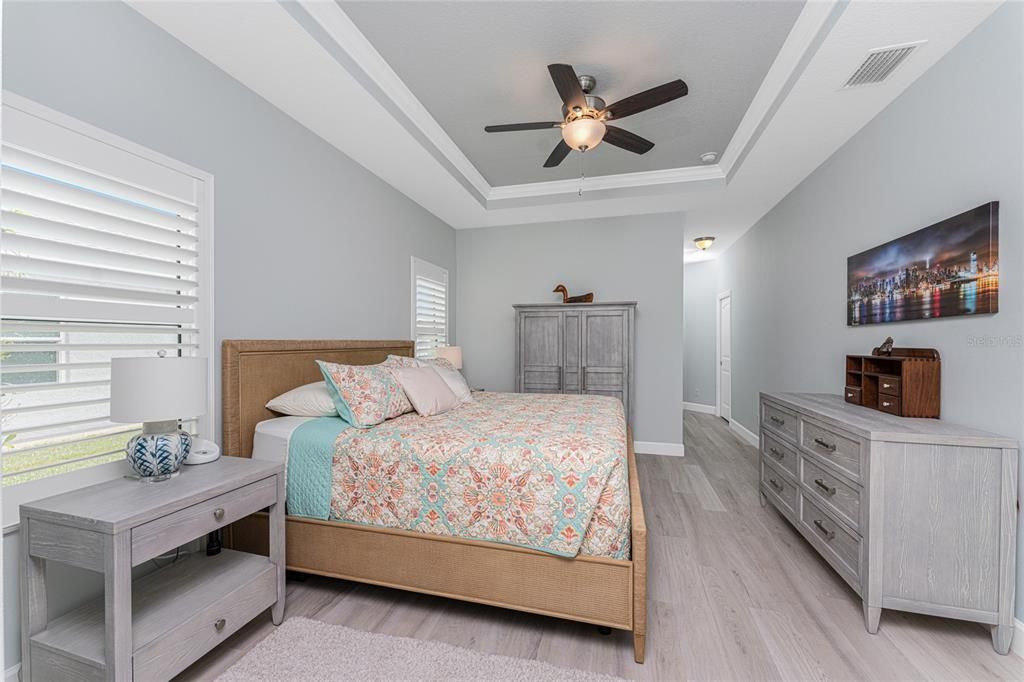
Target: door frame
{"type": "Point", "coordinates": [718, 350]}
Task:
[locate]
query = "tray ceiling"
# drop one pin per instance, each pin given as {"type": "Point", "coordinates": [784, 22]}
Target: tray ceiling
{"type": "Point", "coordinates": [475, 64]}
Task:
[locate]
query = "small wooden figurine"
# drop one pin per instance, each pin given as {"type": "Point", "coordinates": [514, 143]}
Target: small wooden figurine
{"type": "Point", "coordinates": [885, 348]}
{"type": "Point", "coordinates": [566, 298]}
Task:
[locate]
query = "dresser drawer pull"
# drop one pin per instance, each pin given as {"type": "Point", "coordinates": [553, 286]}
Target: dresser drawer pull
{"type": "Point", "coordinates": [776, 454]}
{"type": "Point", "coordinates": [849, 395]}
{"type": "Point", "coordinates": [775, 484]}
{"type": "Point", "coordinates": [825, 444]}
{"type": "Point", "coordinates": [829, 534]}
{"type": "Point", "coordinates": [219, 624]}
{"type": "Point", "coordinates": [886, 403]}
{"type": "Point", "coordinates": [218, 513]}
{"type": "Point", "coordinates": [886, 385]}
{"type": "Point", "coordinates": [821, 484]}
{"type": "Point", "coordinates": [778, 420]}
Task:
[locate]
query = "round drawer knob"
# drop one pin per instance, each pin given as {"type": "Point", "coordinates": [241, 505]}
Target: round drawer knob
{"type": "Point", "coordinates": [218, 513]}
{"type": "Point", "coordinates": [219, 625]}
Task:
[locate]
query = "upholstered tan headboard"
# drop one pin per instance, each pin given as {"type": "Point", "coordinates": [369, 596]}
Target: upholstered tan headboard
{"type": "Point", "coordinates": [254, 371]}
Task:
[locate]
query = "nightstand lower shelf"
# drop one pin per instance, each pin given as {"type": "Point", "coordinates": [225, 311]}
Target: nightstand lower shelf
{"type": "Point", "coordinates": [179, 612]}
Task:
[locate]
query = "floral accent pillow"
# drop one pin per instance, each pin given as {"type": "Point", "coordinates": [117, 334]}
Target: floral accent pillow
{"type": "Point", "coordinates": [364, 395]}
{"type": "Point", "coordinates": [400, 361]}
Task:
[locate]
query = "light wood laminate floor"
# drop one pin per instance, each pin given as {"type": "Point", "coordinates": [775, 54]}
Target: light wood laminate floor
{"type": "Point", "coordinates": [734, 594]}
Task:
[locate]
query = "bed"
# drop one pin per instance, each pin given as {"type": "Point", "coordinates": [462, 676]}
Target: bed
{"type": "Point", "coordinates": [600, 579]}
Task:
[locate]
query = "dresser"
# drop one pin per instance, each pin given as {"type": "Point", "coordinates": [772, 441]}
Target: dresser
{"type": "Point", "coordinates": [577, 348]}
{"type": "Point", "coordinates": [155, 626]}
{"type": "Point", "coordinates": [914, 514]}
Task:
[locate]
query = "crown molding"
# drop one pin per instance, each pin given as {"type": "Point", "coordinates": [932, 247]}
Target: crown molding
{"type": "Point", "coordinates": [812, 26]}
{"type": "Point", "coordinates": [389, 89]}
{"type": "Point", "coordinates": [598, 183]}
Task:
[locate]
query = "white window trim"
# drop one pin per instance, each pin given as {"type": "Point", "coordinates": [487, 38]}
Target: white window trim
{"type": "Point", "coordinates": [428, 269]}
{"type": "Point", "coordinates": [16, 495]}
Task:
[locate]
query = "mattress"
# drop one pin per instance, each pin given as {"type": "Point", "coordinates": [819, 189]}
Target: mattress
{"type": "Point", "coordinates": [270, 442]}
{"type": "Point", "coordinates": [546, 472]}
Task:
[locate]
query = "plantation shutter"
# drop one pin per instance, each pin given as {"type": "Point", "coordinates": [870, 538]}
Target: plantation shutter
{"type": "Point", "coordinates": [101, 256]}
{"type": "Point", "coordinates": [430, 306]}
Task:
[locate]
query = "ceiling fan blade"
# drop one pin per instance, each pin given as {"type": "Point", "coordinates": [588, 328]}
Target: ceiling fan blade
{"type": "Point", "coordinates": [558, 155]}
{"type": "Point", "coordinates": [648, 99]}
{"type": "Point", "coordinates": [568, 86]}
{"type": "Point", "coordinates": [631, 142]}
{"type": "Point", "coordinates": [512, 127]}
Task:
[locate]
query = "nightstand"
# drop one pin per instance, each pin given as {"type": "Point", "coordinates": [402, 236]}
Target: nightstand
{"type": "Point", "coordinates": [154, 627]}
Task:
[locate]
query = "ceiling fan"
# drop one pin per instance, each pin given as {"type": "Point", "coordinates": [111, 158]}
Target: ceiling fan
{"type": "Point", "coordinates": [584, 115]}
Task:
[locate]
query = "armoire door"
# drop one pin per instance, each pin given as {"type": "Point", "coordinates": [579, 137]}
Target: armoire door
{"type": "Point", "coordinates": [541, 347]}
{"type": "Point", "coordinates": [573, 354]}
{"type": "Point", "coordinates": [605, 352]}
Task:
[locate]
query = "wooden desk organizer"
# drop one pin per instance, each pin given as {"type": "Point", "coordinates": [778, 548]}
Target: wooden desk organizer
{"type": "Point", "coordinates": [904, 383]}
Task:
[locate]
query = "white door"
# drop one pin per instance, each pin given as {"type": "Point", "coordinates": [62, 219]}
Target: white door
{"type": "Point", "coordinates": [725, 356]}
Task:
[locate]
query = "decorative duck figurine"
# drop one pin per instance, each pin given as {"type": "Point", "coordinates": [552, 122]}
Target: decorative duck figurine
{"type": "Point", "coordinates": [566, 298]}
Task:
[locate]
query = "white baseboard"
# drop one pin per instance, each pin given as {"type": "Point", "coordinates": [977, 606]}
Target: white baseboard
{"type": "Point", "coordinates": [1017, 645]}
{"type": "Point", "coordinates": [744, 433]}
{"type": "Point", "coordinates": [647, 448]}
{"type": "Point", "coordinates": [699, 407]}
{"type": "Point", "coordinates": [11, 674]}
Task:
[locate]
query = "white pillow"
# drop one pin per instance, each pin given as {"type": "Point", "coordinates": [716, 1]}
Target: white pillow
{"type": "Point", "coordinates": [426, 390]}
{"type": "Point", "coordinates": [311, 400]}
{"type": "Point", "coordinates": [456, 382]}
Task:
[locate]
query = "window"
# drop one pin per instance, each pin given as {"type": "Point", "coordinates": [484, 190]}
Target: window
{"type": "Point", "coordinates": [105, 252]}
{"type": "Point", "coordinates": [429, 307]}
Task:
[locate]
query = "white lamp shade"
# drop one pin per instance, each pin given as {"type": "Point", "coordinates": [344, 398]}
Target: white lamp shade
{"type": "Point", "coordinates": [452, 354]}
{"type": "Point", "coordinates": [157, 389]}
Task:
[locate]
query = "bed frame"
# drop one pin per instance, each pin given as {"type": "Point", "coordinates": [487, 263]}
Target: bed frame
{"type": "Point", "coordinates": [606, 592]}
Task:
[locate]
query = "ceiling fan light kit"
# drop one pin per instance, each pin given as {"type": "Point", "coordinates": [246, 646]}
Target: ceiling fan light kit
{"type": "Point", "coordinates": [584, 115]}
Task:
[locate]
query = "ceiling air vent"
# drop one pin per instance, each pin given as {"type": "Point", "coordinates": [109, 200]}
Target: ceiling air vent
{"type": "Point", "coordinates": [879, 63]}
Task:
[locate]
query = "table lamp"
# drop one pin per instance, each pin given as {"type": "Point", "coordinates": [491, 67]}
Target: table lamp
{"type": "Point", "coordinates": [452, 354]}
{"type": "Point", "coordinates": [157, 392]}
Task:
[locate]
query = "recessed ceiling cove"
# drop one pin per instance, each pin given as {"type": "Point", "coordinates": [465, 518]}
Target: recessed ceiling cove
{"type": "Point", "coordinates": [478, 64]}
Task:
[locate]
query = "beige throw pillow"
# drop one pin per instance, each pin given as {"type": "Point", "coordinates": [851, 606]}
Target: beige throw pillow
{"type": "Point", "coordinates": [311, 400]}
{"type": "Point", "coordinates": [426, 390]}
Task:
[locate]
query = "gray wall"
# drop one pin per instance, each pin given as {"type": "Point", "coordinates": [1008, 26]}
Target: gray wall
{"type": "Point", "coordinates": [308, 243]}
{"type": "Point", "coordinates": [952, 141]}
{"type": "Point", "coordinates": [700, 300]}
{"type": "Point", "coordinates": [636, 258]}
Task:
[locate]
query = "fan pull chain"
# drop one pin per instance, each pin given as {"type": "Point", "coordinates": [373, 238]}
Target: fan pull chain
{"type": "Point", "coordinates": [579, 192]}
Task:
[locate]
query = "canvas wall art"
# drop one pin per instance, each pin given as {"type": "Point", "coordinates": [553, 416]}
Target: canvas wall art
{"type": "Point", "coordinates": [947, 269]}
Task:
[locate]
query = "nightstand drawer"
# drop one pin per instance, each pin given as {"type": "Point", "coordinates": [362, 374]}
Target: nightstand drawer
{"type": "Point", "coordinates": [156, 537]}
{"type": "Point", "coordinates": [209, 624]}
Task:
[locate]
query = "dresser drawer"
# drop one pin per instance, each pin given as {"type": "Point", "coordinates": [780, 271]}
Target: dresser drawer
{"type": "Point", "coordinates": [833, 447]}
{"type": "Point", "coordinates": [889, 385]}
{"type": "Point", "coordinates": [853, 395]}
{"type": "Point", "coordinates": [163, 657]}
{"type": "Point", "coordinates": [890, 404]}
{"type": "Point", "coordinates": [835, 494]}
{"type": "Point", "coordinates": [778, 453]}
{"type": "Point", "coordinates": [779, 487]}
{"type": "Point", "coordinates": [840, 547]}
{"type": "Point", "coordinates": [156, 537]}
{"type": "Point", "coordinates": [779, 419]}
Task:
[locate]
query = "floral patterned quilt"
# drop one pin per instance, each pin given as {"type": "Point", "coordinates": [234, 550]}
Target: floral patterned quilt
{"type": "Point", "coordinates": [547, 472]}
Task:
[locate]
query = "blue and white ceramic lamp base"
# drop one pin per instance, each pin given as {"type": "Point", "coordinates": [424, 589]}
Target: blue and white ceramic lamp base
{"type": "Point", "coordinates": [159, 451]}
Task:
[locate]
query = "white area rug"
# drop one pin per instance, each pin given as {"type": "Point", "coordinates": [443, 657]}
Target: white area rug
{"type": "Point", "coordinates": [309, 650]}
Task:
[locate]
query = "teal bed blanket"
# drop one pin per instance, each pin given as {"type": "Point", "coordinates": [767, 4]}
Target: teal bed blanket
{"type": "Point", "coordinates": [310, 453]}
